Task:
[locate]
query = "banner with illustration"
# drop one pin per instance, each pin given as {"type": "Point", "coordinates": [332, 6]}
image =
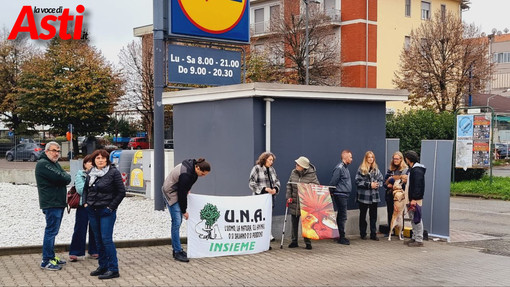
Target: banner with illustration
{"type": "Point", "coordinates": [228, 225]}
{"type": "Point", "coordinates": [318, 217]}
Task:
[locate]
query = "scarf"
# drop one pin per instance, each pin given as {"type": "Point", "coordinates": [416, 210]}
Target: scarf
{"type": "Point", "coordinates": [96, 173]}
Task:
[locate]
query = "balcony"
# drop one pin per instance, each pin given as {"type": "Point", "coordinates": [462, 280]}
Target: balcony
{"type": "Point", "coordinates": [333, 16]}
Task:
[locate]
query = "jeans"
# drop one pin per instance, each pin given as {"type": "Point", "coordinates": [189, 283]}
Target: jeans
{"type": "Point", "coordinates": [176, 215]}
{"type": "Point", "coordinates": [363, 207]}
{"type": "Point", "coordinates": [340, 202]}
{"type": "Point", "coordinates": [78, 242]}
{"type": "Point", "coordinates": [53, 220]}
{"type": "Point", "coordinates": [417, 228]}
{"type": "Point", "coordinates": [295, 228]}
{"type": "Point", "coordinates": [102, 221]}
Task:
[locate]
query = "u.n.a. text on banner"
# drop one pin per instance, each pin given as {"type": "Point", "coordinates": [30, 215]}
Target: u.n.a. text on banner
{"type": "Point", "coordinates": [228, 225]}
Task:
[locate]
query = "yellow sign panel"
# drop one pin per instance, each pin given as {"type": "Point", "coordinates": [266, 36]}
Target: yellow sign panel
{"type": "Point", "coordinates": [213, 16]}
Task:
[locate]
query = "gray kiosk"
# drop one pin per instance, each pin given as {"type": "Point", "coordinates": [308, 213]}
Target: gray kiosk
{"type": "Point", "coordinates": [231, 125]}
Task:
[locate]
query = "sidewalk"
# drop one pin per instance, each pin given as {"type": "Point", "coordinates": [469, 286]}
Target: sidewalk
{"type": "Point", "coordinates": [365, 263]}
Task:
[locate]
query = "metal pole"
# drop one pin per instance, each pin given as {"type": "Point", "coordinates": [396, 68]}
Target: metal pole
{"type": "Point", "coordinates": [307, 56]}
{"type": "Point", "coordinates": [159, 10]}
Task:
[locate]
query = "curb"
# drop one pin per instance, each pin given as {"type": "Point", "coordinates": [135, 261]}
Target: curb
{"type": "Point", "coordinates": [59, 248]}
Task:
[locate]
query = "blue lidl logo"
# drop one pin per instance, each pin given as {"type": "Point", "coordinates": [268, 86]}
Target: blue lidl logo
{"type": "Point", "coordinates": [217, 19]}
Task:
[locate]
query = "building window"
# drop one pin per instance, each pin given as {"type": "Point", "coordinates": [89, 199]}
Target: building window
{"type": "Point", "coordinates": [425, 10]}
{"type": "Point", "coordinates": [443, 12]}
{"type": "Point", "coordinates": [407, 43]}
{"type": "Point", "coordinates": [408, 8]}
{"type": "Point", "coordinates": [274, 16]}
{"type": "Point", "coordinates": [264, 17]}
{"type": "Point", "coordinates": [259, 20]}
{"type": "Point", "coordinates": [502, 57]}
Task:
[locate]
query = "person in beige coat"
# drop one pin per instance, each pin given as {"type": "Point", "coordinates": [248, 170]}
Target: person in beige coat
{"type": "Point", "coordinates": [303, 173]}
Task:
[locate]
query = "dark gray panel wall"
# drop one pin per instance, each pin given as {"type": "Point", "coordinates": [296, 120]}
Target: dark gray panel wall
{"type": "Point", "coordinates": [436, 155]}
{"type": "Point", "coordinates": [231, 134]}
{"type": "Point", "coordinates": [320, 130]}
{"type": "Point", "coordinates": [223, 133]}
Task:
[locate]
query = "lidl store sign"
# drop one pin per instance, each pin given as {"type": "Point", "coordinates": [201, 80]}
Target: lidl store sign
{"type": "Point", "coordinates": [224, 20]}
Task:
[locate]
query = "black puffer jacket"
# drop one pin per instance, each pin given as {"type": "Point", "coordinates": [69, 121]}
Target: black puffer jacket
{"type": "Point", "coordinates": [107, 191]}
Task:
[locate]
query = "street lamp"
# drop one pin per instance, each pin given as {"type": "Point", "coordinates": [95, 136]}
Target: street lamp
{"type": "Point", "coordinates": [307, 52]}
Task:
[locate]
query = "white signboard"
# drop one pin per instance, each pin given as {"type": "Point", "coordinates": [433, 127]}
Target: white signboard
{"type": "Point", "coordinates": [228, 225]}
{"type": "Point", "coordinates": [473, 141]}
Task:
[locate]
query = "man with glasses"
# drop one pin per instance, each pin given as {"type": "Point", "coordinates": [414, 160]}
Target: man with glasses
{"type": "Point", "coordinates": [51, 180]}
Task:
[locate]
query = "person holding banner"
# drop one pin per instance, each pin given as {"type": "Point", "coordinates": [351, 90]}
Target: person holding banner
{"type": "Point", "coordinates": [397, 168]}
{"type": "Point", "coordinates": [263, 178]}
{"type": "Point", "coordinates": [175, 190]}
{"type": "Point", "coordinates": [368, 180]}
{"type": "Point", "coordinates": [341, 180]}
{"type": "Point", "coordinates": [304, 172]}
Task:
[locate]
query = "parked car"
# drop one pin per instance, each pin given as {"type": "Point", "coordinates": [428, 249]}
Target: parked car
{"type": "Point", "coordinates": [25, 151]}
{"type": "Point", "coordinates": [138, 143]}
{"type": "Point", "coordinates": [503, 150]}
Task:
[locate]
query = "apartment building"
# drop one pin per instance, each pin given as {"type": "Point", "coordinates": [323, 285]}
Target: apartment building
{"type": "Point", "coordinates": [371, 33]}
{"type": "Point", "coordinates": [500, 50]}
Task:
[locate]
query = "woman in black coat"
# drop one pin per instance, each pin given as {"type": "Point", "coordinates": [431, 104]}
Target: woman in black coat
{"type": "Point", "coordinates": [103, 192]}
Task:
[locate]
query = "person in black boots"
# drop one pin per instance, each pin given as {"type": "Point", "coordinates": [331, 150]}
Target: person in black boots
{"type": "Point", "coordinates": [102, 194]}
{"type": "Point", "coordinates": [304, 172]}
{"type": "Point", "coordinates": [342, 182]}
{"type": "Point", "coordinates": [175, 192]}
{"type": "Point", "coordinates": [368, 180]}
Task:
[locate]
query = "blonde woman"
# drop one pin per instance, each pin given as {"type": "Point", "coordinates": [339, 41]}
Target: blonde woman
{"type": "Point", "coordinates": [368, 181]}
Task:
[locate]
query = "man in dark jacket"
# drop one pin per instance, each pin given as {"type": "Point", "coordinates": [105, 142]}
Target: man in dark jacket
{"type": "Point", "coordinates": [51, 184]}
{"type": "Point", "coordinates": [416, 185]}
{"type": "Point", "coordinates": [341, 180]}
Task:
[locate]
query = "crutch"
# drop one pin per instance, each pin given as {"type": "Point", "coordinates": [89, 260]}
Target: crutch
{"type": "Point", "coordinates": [284, 221]}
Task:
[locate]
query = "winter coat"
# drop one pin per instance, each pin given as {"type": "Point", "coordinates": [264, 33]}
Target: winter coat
{"type": "Point", "coordinates": [178, 183]}
{"type": "Point", "coordinates": [259, 179]}
{"type": "Point", "coordinates": [341, 180]}
{"type": "Point", "coordinates": [306, 176]}
{"type": "Point", "coordinates": [366, 194]}
{"type": "Point", "coordinates": [106, 191]}
{"type": "Point", "coordinates": [51, 180]}
{"type": "Point", "coordinates": [416, 181]}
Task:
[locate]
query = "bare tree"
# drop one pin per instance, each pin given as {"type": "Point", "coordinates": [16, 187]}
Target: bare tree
{"type": "Point", "coordinates": [435, 67]}
{"type": "Point", "coordinates": [136, 60]}
{"type": "Point", "coordinates": [289, 43]}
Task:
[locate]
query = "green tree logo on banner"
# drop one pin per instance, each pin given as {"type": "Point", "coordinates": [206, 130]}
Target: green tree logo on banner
{"type": "Point", "coordinates": [210, 214]}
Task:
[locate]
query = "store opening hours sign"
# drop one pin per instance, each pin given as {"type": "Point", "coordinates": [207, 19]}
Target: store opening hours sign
{"type": "Point", "coordinates": [203, 66]}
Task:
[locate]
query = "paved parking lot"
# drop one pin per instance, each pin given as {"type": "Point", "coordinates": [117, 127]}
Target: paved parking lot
{"type": "Point", "coordinates": [478, 255]}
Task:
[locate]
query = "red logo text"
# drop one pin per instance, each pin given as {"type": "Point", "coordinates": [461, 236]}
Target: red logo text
{"type": "Point", "coordinates": [64, 21]}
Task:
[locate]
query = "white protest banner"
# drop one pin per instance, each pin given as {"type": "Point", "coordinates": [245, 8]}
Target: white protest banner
{"type": "Point", "coordinates": [228, 225]}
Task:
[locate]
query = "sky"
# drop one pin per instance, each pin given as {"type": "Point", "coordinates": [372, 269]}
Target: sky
{"type": "Point", "coordinates": [488, 14]}
{"type": "Point", "coordinates": [110, 22]}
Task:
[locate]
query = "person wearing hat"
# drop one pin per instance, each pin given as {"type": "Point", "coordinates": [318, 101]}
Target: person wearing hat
{"type": "Point", "coordinates": [304, 172]}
